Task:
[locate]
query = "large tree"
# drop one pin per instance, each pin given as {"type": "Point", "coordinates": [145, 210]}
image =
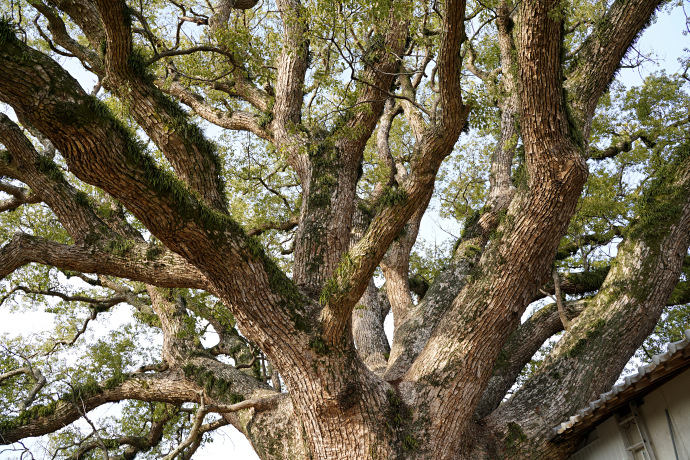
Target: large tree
{"type": "Point", "coordinates": [334, 121]}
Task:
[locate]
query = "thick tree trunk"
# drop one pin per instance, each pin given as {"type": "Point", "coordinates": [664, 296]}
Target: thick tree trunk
{"type": "Point", "coordinates": [457, 351]}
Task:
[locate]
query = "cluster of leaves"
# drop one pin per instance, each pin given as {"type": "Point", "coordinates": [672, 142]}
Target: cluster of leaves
{"type": "Point", "coordinates": [263, 189]}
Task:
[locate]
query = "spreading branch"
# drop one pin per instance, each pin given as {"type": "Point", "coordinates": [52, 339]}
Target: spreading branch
{"type": "Point", "coordinates": [20, 196]}
{"type": "Point", "coordinates": [236, 120]}
{"type": "Point", "coordinates": [198, 428]}
{"type": "Point", "coordinates": [165, 269]}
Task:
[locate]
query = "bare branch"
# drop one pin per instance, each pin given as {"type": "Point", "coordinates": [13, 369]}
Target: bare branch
{"type": "Point", "coordinates": [192, 50]}
{"type": "Point", "coordinates": [235, 120]}
{"type": "Point", "coordinates": [199, 429]}
{"type": "Point", "coordinates": [520, 348]}
{"type": "Point", "coordinates": [99, 305]}
{"type": "Point", "coordinates": [601, 53]}
{"type": "Point", "coordinates": [193, 157]}
{"type": "Point", "coordinates": [15, 372]}
{"type": "Point", "coordinates": [284, 226]}
{"type": "Point", "coordinates": [162, 268]}
{"type": "Point", "coordinates": [20, 197]}
{"type": "Point", "coordinates": [559, 300]}
{"type": "Point", "coordinates": [36, 375]}
{"type": "Point", "coordinates": [170, 386]}
{"type": "Point", "coordinates": [57, 28]}
{"type": "Point", "coordinates": [198, 20]}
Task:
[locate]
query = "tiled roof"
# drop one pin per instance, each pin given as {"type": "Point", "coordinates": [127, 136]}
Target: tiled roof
{"type": "Point", "coordinates": [648, 377]}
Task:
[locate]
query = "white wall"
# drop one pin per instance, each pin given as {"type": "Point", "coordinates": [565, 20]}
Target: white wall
{"type": "Point", "coordinates": [673, 396]}
{"type": "Point", "coordinates": [608, 446]}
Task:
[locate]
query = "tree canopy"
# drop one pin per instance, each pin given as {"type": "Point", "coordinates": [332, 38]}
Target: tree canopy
{"type": "Point", "coordinates": [223, 207]}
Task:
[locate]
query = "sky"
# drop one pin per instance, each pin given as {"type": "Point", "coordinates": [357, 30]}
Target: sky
{"type": "Point", "coordinates": [662, 38]}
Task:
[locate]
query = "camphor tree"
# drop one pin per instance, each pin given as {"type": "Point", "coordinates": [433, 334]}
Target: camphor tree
{"type": "Point", "coordinates": [333, 123]}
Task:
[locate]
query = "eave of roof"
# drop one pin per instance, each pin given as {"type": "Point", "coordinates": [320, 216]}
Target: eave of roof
{"type": "Point", "coordinates": [663, 368]}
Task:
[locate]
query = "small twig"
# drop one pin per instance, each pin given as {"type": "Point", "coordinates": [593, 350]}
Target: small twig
{"type": "Point", "coordinates": [192, 50]}
{"type": "Point", "coordinates": [14, 372]}
{"type": "Point", "coordinates": [287, 225]}
{"type": "Point", "coordinates": [20, 196]}
{"type": "Point", "coordinates": [393, 95]}
{"type": "Point", "coordinates": [82, 410]}
{"type": "Point", "coordinates": [193, 433]}
{"type": "Point", "coordinates": [558, 298]}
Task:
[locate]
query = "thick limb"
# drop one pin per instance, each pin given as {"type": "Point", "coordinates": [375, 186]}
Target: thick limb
{"type": "Point", "coordinates": [618, 319]}
{"type": "Point", "coordinates": [458, 359]}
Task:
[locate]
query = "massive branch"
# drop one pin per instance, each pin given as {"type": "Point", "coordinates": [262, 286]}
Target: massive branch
{"type": "Point", "coordinates": [601, 53]}
{"type": "Point", "coordinates": [457, 352]}
{"type": "Point", "coordinates": [116, 163]}
{"type": "Point", "coordinates": [398, 203]}
{"type": "Point", "coordinates": [172, 387]}
{"type": "Point", "coordinates": [621, 315]}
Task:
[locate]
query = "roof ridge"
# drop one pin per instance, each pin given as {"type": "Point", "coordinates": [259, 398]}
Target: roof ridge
{"type": "Point", "coordinates": [672, 349]}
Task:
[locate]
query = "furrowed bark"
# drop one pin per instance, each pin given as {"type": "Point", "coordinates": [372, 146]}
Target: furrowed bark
{"type": "Point", "coordinates": [260, 409]}
{"type": "Point", "coordinates": [85, 14]}
{"type": "Point", "coordinates": [292, 67]}
{"type": "Point", "coordinates": [396, 268]}
{"type": "Point", "coordinates": [20, 196]}
{"type": "Point", "coordinates": [98, 248]}
{"type": "Point", "coordinates": [191, 155]}
{"type": "Point", "coordinates": [173, 214]}
{"type": "Point", "coordinates": [164, 269]}
{"type": "Point", "coordinates": [411, 336]}
{"type": "Point", "coordinates": [523, 343]}
{"type": "Point", "coordinates": [576, 283]}
{"type": "Point", "coordinates": [313, 261]}
{"type": "Point", "coordinates": [369, 315]}
{"type": "Point", "coordinates": [341, 294]}
{"type": "Point", "coordinates": [325, 379]}
{"type": "Point", "coordinates": [58, 30]}
{"type": "Point", "coordinates": [33, 169]}
{"type": "Point", "coordinates": [331, 175]}
{"type": "Point", "coordinates": [239, 85]}
{"type": "Point", "coordinates": [367, 329]}
{"type": "Point", "coordinates": [136, 443]}
{"type": "Point", "coordinates": [330, 351]}
{"type": "Point", "coordinates": [501, 188]}
{"type": "Point", "coordinates": [183, 144]}
{"type": "Point", "coordinates": [455, 365]}
{"type": "Point", "coordinates": [274, 434]}
{"type": "Point", "coordinates": [63, 412]}
{"type": "Point", "coordinates": [179, 337]}
{"type": "Point", "coordinates": [398, 204]}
